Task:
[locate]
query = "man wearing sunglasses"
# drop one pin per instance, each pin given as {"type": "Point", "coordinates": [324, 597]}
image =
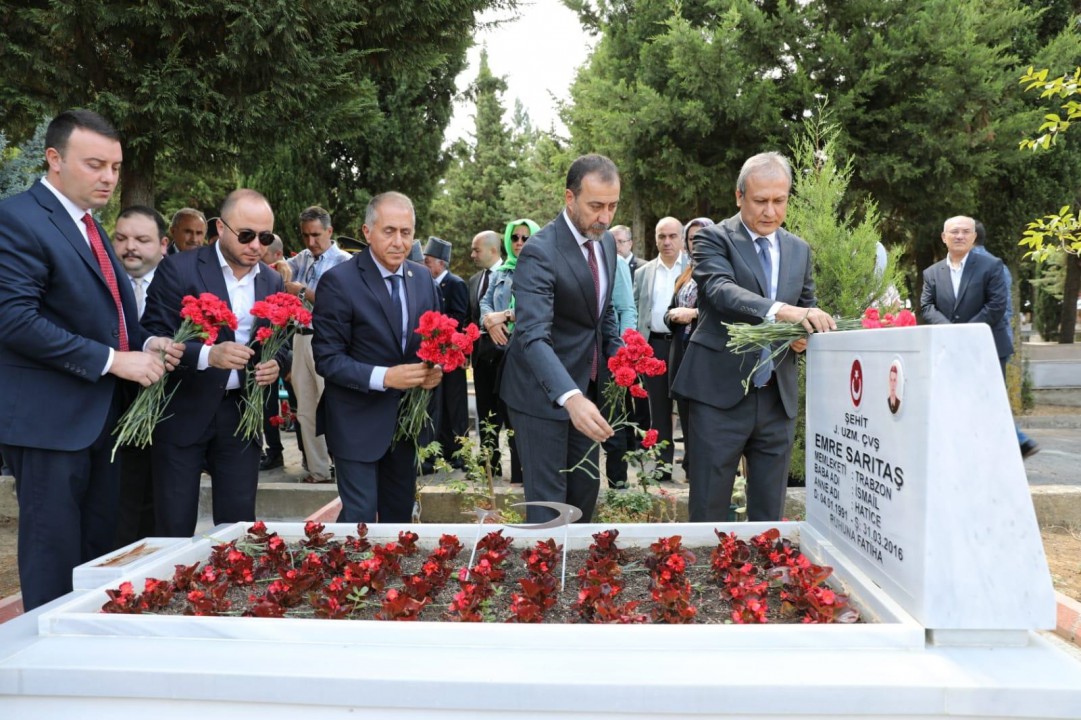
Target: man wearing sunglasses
{"type": "Point", "coordinates": [199, 430]}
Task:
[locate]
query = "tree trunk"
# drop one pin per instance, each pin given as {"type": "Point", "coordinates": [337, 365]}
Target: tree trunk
{"type": "Point", "coordinates": [1072, 286]}
{"type": "Point", "coordinates": [137, 178]}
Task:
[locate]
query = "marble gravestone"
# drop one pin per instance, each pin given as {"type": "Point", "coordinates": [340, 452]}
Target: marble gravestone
{"type": "Point", "coordinates": [914, 471]}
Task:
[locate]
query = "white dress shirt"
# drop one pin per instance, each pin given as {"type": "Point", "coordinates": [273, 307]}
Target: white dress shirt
{"type": "Point", "coordinates": [379, 372]}
{"type": "Point", "coordinates": [664, 285]}
{"type": "Point", "coordinates": [241, 299]}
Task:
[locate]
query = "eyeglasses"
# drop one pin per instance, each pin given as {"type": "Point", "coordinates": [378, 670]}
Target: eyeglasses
{"type": "Point", "coordinates": [245, 236]}
{"type": "Point", "coordinates": [519, 238]}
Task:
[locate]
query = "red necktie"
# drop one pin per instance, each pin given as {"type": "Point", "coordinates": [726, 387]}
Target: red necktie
{"type": "Point", "coordinates": [106, 265]}
{"type": "Point", "coordinates": [595, 271]}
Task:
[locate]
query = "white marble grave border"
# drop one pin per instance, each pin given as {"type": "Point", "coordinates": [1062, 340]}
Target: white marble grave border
{"type": "Point", "coordinates": [885, 624]}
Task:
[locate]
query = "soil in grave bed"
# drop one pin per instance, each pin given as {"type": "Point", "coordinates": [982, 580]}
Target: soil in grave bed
{"type": "Point", "coordinates": [767, 580]}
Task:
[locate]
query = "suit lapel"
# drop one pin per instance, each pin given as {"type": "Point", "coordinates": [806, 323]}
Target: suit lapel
{"type": "Point", "coordinates": [971, 268]}
{"type": "Point", "coordinates": [608, 247]}
{"type": "Point", "coordinates": [377, 286]}
{"type": "Point", "coordinates": [749, 252]}
{"type": "Point", "coordinates": [413, 278]}
{"type": "Point", "coordinates": [66, 227]}
{"type": "Point", "coordinates": [569, 249]}
{"type": "Point", "coordinates": [210, 273]}
{"type": "Point", "coordinates": [945, 281]}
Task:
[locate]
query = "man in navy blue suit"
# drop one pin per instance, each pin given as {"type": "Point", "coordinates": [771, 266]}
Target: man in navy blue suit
{"type": "Point", "coordinates": [366, 350]}
{"type": "Point", "coordinates": [201, 420]}
{"type": "Point", "coordinates": [68, 331]}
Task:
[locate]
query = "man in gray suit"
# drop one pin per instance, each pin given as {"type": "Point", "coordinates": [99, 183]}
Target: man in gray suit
{"type": "Point", "coordinates": [556, 362]}
{"type": "Point", "coordinates": [654, 285]}
{"type": "Point", "coordinates": [749, 270]}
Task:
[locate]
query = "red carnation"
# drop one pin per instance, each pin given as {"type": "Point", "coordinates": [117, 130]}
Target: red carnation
{"type": "Point", "coordinates": [650, 439]}
{"type": "Point", "coordinates": [638, 391]}
{"type": "Point", "coordinates": [905, 318]}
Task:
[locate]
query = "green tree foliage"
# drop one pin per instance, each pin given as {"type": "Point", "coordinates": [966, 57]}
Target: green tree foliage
{"type": "Point", "coordinates": [679, 95]}
{"type": "Point", "coordinates": [469, 199]}
{"type": "Point", "coordinates": [843, 238]}
{"type": "Point", "coordinates": [217, 81]}
{"type": "Point", "coordinates": [21, 166]}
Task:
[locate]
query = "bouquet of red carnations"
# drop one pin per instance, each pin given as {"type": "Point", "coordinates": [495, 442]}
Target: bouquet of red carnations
{"type": "Point", "coordinates": [202, 316]}
{"type": "Point", "coordinates": [630, 363]}
{"type": "Point", "coordinates": [441, 344]}
{"type": "Point", "coordinates": [286, 314]}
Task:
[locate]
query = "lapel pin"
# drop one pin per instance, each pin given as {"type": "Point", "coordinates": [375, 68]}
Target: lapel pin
{"type": "Point", "coordinates": [409, 273]}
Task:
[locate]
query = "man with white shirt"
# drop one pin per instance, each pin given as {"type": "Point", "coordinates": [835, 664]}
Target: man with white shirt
{"type": "Point", "coordinates": [201, 420]}
{"type": "Point", "coordinates": [486, 356]}
{"type": "Point", "coordinates": [749, 270]}
{"type": "Point", "coordinates": [565, 330]}
{"type": "Point", "coordinates": [320, 254]}
{"type": "Point", "coordinates": [69, 330]}
{"type": "Point", "coordinates": [654, 285]}
{"type": "Point", "coordinates": [140, 241]}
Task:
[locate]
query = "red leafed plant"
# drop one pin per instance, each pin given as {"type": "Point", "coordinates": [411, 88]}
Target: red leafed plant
{"type": "Point", "coordinates": [441, 344]}
{"type": "Point", "coordinates": [201, 317]}
{"type": "Point", "coordinates": [670, 589]}
{"type": "Point", "coordinates": [285, 314]}
{"type": "Point", "coordinates": [600, 583]}
{"type": "Point", "coordinates": [260, 575]}
{"type": "Point", "coordinates": [539, 589]}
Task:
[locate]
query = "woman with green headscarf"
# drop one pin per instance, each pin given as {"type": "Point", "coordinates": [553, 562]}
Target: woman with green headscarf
{"type": "Point", "coordinates": [497, 309]}
{"type": "Point", "coordinates": [497, 305]}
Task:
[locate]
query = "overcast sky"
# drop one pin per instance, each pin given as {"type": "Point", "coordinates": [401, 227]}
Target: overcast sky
{"type": "Point", "coordinates": [538, 54]}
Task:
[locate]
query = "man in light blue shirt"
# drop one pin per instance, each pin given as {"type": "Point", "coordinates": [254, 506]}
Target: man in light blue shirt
{"type": "Point", "coordinates": [321, 254]}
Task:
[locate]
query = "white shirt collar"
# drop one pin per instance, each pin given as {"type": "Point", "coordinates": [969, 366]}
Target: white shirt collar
{"type": "Point", "coordinates": [441, 276]}
{"type": "Point", "coordinates": [74, 210]}
{"type": "Point", "coordinates": [772, 237]}
{"type": "Point", "coordinates": [226, 267]}
{"type": "Point", "coordinates": [574, 231]}
{"type": "Point", "coordinates": [387, 273]}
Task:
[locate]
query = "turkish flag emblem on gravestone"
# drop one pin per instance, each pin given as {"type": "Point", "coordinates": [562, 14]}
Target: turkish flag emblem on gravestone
{"type": "Point", "coordinates": [855, 382]}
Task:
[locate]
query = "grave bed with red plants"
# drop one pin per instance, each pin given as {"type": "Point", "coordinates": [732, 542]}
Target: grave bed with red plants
{"type": "Point", "coordinates": [764, 579]}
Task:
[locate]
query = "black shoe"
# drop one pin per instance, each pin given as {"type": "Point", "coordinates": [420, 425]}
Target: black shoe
{"type": "Point", "coordinates": [271, 461]}
{"type": "Point", "coordinates": [1029, 448]}
{"type": "Point", "coordinates": [427, 468]}
{"type": "Point", "coordinates": [618, 485]}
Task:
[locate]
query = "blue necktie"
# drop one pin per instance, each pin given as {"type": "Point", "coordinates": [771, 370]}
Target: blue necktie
{"type": "Point", "coordinates": [396, 306]}
{"type": "Point", "coordinates": [762, 375]}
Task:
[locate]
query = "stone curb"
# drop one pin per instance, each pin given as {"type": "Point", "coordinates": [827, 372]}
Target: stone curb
{"type": "Point", "coordinates": [1068, 624]}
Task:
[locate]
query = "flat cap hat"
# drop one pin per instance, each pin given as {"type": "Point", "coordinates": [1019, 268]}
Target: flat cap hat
{"type": "Point", "coordinates": [438, 248]}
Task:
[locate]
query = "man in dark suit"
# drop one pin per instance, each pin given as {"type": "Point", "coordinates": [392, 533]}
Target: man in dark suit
{"type": "Point", "coordinates": [556, 363]}
{"type": "Point", "coordinates": [969, 287]}
{"type": "Point", "coordinates": [140, 241]}
{"type": "Point", "coordinates": [366, 351]}
{"type": "Point", "coordinates": [749, 270]}
{"type": "Point", "coordinates": [452, 419]}
{"type": "Point", "coordinates": [486, 354]}
{"type": "Point", "coordinates": [201, 420]}
{"type": "Point", "coordinates": [69, 328]}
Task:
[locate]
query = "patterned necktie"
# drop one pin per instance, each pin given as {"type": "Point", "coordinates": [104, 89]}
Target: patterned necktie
{"type": "Point", "coordinates": [140, 294]}
{"type": "Point", "coordinates": [591, 257]}
{"type": "Point", "coordinates": [396, 306]}
{"type": "Point", "coordinates": [106, 265]}
{"type": "Point", "coordinates": [762, 375]}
